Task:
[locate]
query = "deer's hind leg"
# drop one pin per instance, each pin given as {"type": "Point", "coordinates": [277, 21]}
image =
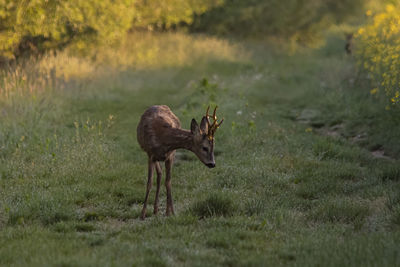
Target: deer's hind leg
{"type": "Point", "coordinates": [168, 167]}
{"type": "Point", "coordinates": [159, 175]}
{"type": "Point", "coordinates": [149, 184]}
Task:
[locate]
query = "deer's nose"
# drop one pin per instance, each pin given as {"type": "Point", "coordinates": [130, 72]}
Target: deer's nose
{"type": "Point", "coordinates": [210, 165]}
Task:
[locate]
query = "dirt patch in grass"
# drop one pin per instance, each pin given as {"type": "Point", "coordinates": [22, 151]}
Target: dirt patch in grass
{"type": "Point", "coordinates": [381, 154]}
{"type": "Point", "coordinates": [338, 131]}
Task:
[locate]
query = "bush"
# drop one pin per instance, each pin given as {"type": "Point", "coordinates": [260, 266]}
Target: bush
{"type": "Point", "coordinates": [378, 52]}
{"type": "Point", "coordinates": [294, 19]}
{"type": "Point", "coordinates": [37, 25]}
{"type": "Point", "coordinates": [40, 24]}
{"type": "Point", "coordinates": [162, 14]}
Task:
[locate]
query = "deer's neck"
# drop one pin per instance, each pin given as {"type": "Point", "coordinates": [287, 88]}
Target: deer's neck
{"type": "Point", "coordinates": [180, 138]}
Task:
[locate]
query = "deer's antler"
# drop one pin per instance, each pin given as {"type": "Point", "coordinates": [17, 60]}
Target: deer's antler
{"type": "Point", "coordinates": [212, 127]}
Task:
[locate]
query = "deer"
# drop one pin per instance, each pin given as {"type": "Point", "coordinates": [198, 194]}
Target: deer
{"type": "Point", "coordinates": [349, 43]}
{"type": "Point", "coordinates": [159, 134]}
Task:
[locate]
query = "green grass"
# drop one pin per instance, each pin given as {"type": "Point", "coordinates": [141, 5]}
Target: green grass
{"type": "Point", "coordinates": [294, 184]}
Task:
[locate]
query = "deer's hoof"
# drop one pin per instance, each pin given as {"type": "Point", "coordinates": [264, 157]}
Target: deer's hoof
{"type": "Point", "coordinates": [143, 216]}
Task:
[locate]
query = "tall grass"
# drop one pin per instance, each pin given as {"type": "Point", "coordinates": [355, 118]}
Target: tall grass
{"type": "Point", "coordinates": [152, 50]}
{"type": "Point", "coordinates": [139, 51]}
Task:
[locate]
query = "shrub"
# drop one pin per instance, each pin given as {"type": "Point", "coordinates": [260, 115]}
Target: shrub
{"type": "Point", "coordinates": [41, 24]}
{"type": "Point", "coordinates": [293, 19]}
{"type": "Point", "coordinates": [162, 14]}
{"type": "Point", "coordinates": [37, 25]}
{"type": "Point", "coordinates": [378, 52]}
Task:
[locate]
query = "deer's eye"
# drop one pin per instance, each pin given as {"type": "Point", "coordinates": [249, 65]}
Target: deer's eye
{"type": "Point", "coordinates": [205, 148]}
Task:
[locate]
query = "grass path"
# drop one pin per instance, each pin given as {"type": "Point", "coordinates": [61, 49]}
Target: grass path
{"type": "Point", "coordinates": [285, 192]}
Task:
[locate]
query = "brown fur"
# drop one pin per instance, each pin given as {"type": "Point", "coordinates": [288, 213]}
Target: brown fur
{"type": "Point", "coordinates": [349, 43]}
{"type": "Point", "coordinates": [159, 134]}
{"type": "Point", "coordinates": [157, 130]}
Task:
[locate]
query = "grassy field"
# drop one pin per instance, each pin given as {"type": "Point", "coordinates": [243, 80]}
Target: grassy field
{"type": "Point", "coordinates": [308, 169]}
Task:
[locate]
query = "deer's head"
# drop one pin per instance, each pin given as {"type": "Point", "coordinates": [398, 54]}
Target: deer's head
{"type": "Point", "coordinates": [203, 138]}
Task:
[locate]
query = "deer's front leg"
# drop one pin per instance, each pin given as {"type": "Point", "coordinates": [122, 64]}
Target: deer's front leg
{"type": "Point", "coordinates": [170, 205]}
{"type": "Point", "coordinates": [159, 175]}
{"type": "Point", "coordinates": [149, 184]}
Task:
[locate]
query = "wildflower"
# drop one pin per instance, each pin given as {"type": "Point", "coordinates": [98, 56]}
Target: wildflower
{"type": "Point", "coordinates": [378, 52]}
{"type": "Point", "coordinates": [389, 8]}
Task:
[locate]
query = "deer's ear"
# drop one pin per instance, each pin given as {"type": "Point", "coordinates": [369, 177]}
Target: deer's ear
{"type": "Point", "coordinates": [204, 125]}
{"type": "Point", "coordinates": [194, 127]}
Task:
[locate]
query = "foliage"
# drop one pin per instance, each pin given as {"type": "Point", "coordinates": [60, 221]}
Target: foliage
{"type": "Point", "coordinates": [33, 26]}
{"type": "Point", "coordinates": [161, 14]}
{"type": "Point", "coordinates": [297, 20]}
{"type": "Point", "coordinates": [378, 52]}
{"type": "Point", "coordinates": [39, 24]}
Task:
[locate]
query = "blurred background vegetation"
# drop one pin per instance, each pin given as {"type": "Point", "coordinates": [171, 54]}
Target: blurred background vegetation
{"type": "Point", "coordinates": [300, 20]}
{"type": "Point", "coordinates": [48, 24]}
{"type": "Point", "coordinates": [30, 27]}
{"type": "Point", "coordinates": [36, 25]}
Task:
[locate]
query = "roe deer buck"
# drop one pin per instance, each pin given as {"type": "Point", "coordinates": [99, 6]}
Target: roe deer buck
{"type": "Point", "coordinates": [159, 134]}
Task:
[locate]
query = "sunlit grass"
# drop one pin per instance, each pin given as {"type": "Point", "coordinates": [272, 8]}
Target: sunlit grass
{"type": "Point", "coordinates": [139, 51]}
{"type": "Point", "coordinates": [153, 51]}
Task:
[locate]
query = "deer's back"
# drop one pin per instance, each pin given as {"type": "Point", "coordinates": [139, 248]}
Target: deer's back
{"type": "Point", "coordinates": [153, 124]}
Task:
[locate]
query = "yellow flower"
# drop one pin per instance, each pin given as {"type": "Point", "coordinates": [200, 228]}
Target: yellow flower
{"type": "Point", "coordinates": [309, 130]}
{"type": "Point", "coordinates": [389, 8]}
{"type": "Point", "coordinates": [378, 52]}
